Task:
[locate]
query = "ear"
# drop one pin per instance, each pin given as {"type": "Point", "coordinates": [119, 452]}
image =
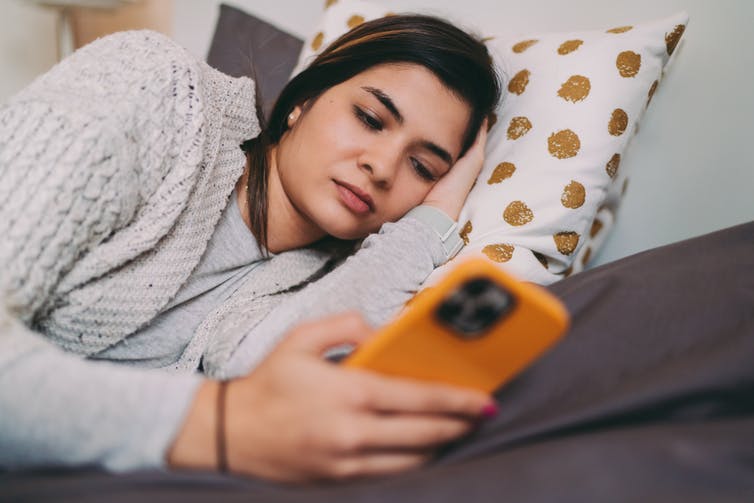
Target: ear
{"type": "Point", "coordinates": [294, 115]}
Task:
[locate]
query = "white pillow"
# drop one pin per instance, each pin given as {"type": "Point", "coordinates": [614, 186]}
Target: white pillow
{"type": "Point", "coordinates": [552, 179]}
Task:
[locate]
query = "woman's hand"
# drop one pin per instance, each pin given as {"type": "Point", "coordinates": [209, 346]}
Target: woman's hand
{"type": "Point", "coordinates": [298, 418]}
{"type": "Point", "coordinates": [450, 192]}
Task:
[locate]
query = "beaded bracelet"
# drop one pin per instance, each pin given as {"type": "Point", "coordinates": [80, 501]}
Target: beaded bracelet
{"type": "Point", "coordinates": [222, 455]}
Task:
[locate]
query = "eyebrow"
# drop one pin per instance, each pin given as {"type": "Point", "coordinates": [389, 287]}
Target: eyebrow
{"type": "Point", "coordinates": [388, 103]}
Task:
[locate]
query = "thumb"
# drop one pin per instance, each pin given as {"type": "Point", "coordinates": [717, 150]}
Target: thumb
{"type": "Point", "coordinates": [317, 336]}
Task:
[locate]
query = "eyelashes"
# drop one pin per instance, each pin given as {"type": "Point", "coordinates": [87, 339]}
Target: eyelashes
{"type": "Point", "coordinates": [373, 123]}
{"type": "Point", "coordinates": [367, 119]}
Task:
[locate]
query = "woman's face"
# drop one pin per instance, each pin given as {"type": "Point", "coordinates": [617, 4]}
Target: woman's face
{"type": "Point", "coordinates": [369, 149]}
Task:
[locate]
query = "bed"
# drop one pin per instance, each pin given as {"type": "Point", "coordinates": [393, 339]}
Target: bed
{"type": "Point", "coordinates": [649, 398]}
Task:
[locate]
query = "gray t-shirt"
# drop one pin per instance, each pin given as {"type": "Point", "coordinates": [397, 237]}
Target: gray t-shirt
{"type": "Point", "coordinates": [231, 254]}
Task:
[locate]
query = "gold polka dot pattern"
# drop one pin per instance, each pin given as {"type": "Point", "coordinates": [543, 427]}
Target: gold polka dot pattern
{"type": "Point", "coordinates": [672, 38]}
{"type": "Point", "coordinates": [317, 41]}
{"type": "Point", "coordinates": [569, 46]}
{"type": "Point", "coordinates": [518, 83]}
{"type": "Point", "coordinates": [618, 122]}
{"type": "Point", "coordinates": [620, 29]}
{"type": "Point", "coordinates": [574, 195]}
{"type": "Point", "coordinates": [612, 165]}
{"type": "Point", "coordinates": [628, 64]}
{"type": "Point", "coordinates": [575, 89]}
{"type": "Point", "coordinates": [523, 45]}
{"type": "Point", "coordinates": [652, 91]}
{"type": "Point", "coordinates": [518, 214]}
{"type": "Point", "coordinates": [501, 172]}
{"type": "Point", "coordinates": [355, 21]}
{"type": "Point", "coordinates": [595, 228]}
{"type": "Point", "coordinates": [518, 127]}
{"type": "Point", "coordinates": [499, 252]}
{"type": "Point", "coordinates": [465, 231]}
{"type": "Point", "coordinates": [329, 3]}
{"type": "Point", "coordinates": [586, 256]}
{"type": "Point", "coordinates": [563, 144]}
{"type": "Point", "coordinates": [491, 120]}
{"type": "Point", "coordinates": [566, 242]}
{"type": "Point", "coordinates": [542, 259]}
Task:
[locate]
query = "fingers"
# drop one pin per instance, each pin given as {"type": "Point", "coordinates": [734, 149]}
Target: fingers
{"type": "Point", "coordinates": [390, 394]}
{"type": "Point", "coordinates": [316, 337]}
{"type": "Point", "coordinates": [407, 432]}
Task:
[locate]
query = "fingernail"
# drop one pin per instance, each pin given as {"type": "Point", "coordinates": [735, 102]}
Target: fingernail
{"type": "Point", "coordinates": [490, 410]}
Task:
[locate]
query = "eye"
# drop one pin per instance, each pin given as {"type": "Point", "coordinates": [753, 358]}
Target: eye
{"type": "Point", "coordinates": [422, 170]}
{"type": "Point", "coordinates": [367, 119]}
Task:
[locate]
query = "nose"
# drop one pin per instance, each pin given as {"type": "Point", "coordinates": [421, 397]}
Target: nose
{"type": "Point", "coordinates": [381, 161]}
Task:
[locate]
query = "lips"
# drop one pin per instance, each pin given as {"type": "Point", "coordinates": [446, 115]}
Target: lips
{"type": "Point", "coordinates": [354, 198]}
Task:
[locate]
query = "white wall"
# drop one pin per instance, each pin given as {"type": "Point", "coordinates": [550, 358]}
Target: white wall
{"type": "Point", "coordinates": [692, 162]}
{"type": "Point", "coordinates": [27, 44]}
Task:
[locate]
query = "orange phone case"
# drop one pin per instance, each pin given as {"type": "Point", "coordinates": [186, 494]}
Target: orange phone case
{"type": "Point", "coordinates": [419, 345]}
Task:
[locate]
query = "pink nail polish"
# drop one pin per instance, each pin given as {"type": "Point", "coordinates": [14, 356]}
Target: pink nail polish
{"type": "Point", "coordinates": [490, 410]}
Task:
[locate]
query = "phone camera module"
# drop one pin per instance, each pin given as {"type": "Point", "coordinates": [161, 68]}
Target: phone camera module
{"type": "Point", "coordinates": [474, 307]}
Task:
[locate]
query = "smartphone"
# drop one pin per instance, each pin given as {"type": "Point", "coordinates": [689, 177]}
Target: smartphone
{"type": "Point", "coordinates": [478, 327]}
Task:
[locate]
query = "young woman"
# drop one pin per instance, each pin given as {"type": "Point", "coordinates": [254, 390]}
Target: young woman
{"type": "Point", "coordinates": [138, 238]}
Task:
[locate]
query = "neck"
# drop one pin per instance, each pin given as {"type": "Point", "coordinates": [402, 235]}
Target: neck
{"type": "Point", "coordinates": [287, 227]}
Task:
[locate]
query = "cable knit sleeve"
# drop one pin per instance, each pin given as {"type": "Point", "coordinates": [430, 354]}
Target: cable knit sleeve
{"type": "Point", "coordinates": [73, 172]}
{"type": "Point", "coordinates": [377, 280]}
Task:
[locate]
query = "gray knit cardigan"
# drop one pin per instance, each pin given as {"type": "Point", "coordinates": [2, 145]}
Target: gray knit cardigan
{"type": "Point", "coordinates": [105, 209]}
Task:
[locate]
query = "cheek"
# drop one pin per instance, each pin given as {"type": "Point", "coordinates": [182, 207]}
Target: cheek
{"type": "Point", "coordinates": [407, 193]}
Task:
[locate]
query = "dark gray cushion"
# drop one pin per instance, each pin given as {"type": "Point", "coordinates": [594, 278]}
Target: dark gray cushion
{"type": "Point", "coordinates": [244, 45]}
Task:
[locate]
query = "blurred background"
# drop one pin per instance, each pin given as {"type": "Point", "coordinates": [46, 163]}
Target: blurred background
{"type": "Point", "coordinates": [692, 162]}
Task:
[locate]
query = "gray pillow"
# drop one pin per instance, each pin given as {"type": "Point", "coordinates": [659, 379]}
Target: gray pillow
{"type": "Point", "coordinates": [244, 45]}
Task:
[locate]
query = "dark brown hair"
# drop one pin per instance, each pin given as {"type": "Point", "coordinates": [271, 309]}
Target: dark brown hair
{"type": "Point", "coordinates": [459, 60]}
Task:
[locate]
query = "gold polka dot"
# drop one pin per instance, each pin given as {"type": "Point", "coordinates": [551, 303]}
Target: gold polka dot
{"type": "Point", "coordinates": [620, 29]}
{"type": "Point", "coordinates": [672, 38]}
{"type": "Point", "coordinates": [499, 253]}
{"type": "Point", "coordinates": [628, 63]}
{"type": "Point", "coordinates": [624, 188]}
{"type": "Point", "coordinates": [568, 271]}
{"type": "Point", "coordinates": [542, 259]}
{"type": "Point", "coordinates": [596, 228]}
{"type": "Point", "coordinates": [563, 144]}
{"type": "Point", "coordinates": [329, 3]}
{"type": "Point", "coordinates": [569, 46]}
{"type": "Point", "coordinates": [586, 257]}
{"type": "Point", "coordinates": [522, 46]}
{"type": "Point", "coordinates": [612, 165]}
{"type": "Point", "coordinates": [566, 242]}
{"type": "Point", "coordinates": [574, 195]}
{"type": "Point", "coordinates": [618, 122]}
{"type": "Point", "coordinates": [517, 84]}
{"type": "Point", "coordinates": [518, 127]}
{"type": "Point", "coordinates": [317, 41]}
{"type": "Point", "coordinates": [575, 89]}
{"type": "Point", "coordinates": [517, 214]}
{"type": "Point", "coordinates": [502, 171]}
{"type": "Point", "coordinates": [491, 120]}
{"type": "Point", "coordinates": [467, 228]}
{"type": "Point", "coordinates": [389, 14]}
{"type": "Point", "coordinates": [355, 21]}
{"type": "Point", "coordinates": [652, 91]}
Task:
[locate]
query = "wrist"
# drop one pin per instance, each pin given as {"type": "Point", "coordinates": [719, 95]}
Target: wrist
{"type": "Point", "coordinates": [195, 446]}
{"type": "Point", "coordinates": [445, 227]}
